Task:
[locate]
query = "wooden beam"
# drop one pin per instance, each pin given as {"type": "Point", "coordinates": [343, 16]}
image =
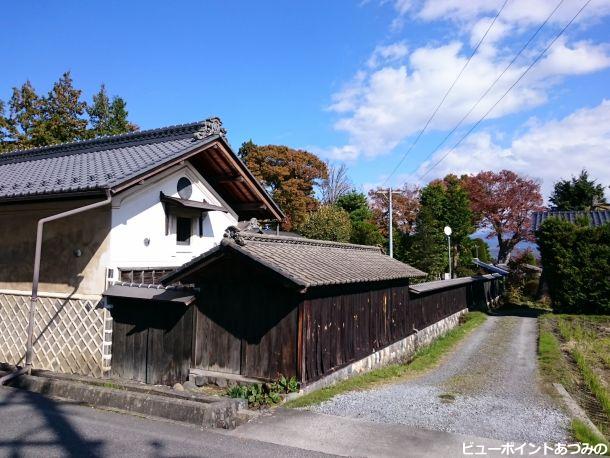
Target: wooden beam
{"type": "Point", "coordinates": [249, 206]}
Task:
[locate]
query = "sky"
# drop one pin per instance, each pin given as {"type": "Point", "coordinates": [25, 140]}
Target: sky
{"type": "Point", "coordinates": [352, 81]}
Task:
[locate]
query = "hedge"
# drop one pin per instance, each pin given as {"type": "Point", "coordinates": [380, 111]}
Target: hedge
{"type": "Point", "coordinates": [576, 265]}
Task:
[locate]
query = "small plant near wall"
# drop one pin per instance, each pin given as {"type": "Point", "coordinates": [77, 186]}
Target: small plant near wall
{"type": "Point", "coordinates": [264, 394]}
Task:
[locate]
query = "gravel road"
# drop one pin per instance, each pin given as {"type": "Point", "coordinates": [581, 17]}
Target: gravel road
{"type": "Point", "coordinates": [487, 387]}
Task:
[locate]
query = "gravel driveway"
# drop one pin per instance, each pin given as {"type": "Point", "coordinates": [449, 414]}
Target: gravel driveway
{"type": "Point", "coordinates": [488, 388]}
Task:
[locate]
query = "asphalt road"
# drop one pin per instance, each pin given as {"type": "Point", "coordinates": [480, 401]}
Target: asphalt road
{"type": "Point", "coordinates": [33, 425]}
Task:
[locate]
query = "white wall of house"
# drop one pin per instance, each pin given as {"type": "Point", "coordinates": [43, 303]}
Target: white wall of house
{"type": "Point", "coordinates": [138, 215]}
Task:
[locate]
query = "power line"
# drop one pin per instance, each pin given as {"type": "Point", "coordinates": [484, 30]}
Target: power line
{"type": "Point", "coordinates": [421, 132]}
{"type": "Point", "coordinates": [508, 90]}
{"type": "Point", "coordinates": [488, 90]}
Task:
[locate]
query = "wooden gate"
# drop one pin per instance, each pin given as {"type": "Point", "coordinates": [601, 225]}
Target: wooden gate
{"type": "Point", "coordinates": [151, 341]}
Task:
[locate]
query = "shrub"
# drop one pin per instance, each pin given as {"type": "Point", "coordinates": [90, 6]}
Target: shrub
{"type": "Point", "coordinates": [576, 263]}
{"type": "Point", "coordinates": [327, 223]}
{"type": "Point", "coordinates": [264, 394]}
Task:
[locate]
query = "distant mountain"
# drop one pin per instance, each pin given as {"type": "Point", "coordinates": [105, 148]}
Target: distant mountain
{"type": "Point", "coordinates": [493, 244]}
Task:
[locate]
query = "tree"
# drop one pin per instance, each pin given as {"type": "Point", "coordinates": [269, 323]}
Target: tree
{"type": "Point", "coordinates": [106, 117]}
{"type": "Point", "coordinates": [405, 206]}
{"type": "Point", "coordinates": [427, 250]}
{"type": "Point", "coordinates": [443, 203]}
{"type": "Point", "coordinates": [364, 229]}
{"type": "Point", "coordinates": [328, 222]}
{"type": "Point", "coordinates": [481, 249]}
{"type": "Point", "coordinates": [60, 116]}
{"type": "Point", "coordinates": [580, 193]}
{"type": "Point", "coordinates": [336, 184]}
{"type": "Point", "coordinates": [503, 203]}
{"type": "Point", "coordinates": [289, 175]}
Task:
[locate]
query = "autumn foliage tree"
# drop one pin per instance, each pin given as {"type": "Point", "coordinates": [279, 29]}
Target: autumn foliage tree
{"type": "Point", "coordinates": [503, 203]}
{"type": "Point", "coordinates": [405, 205]}
{"type": "Point", "coordinates": [289, 175]}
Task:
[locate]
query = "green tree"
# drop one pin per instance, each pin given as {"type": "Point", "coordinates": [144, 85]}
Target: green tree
{"type": "Point", "coordinates": [579, 193]}
{"type": "Point", "coordinates": [427, 249]}
{"type": "Point", "coordinates": [443, 203]}
{"type": "Point", "coordinates": [289, 175]}
{"type": "Point", "coordinates": [25, 114]}
{"type": "Point", "coordinates": [328, 222]}
{"type": "Point", "coordinates": [62, 113]}
{"type": "Point", "coordinates": [364, 229]}
{"type": "Point", "coordinates": [108, 117]}
{"type": "Point", "coordinates": [61, 116]}
{"type": "Point", "coordinates": [481, 248]}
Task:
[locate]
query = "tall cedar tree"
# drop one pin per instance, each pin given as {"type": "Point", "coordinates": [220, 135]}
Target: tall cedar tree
{"type": "Point", "coordinates": [580, 193]}
{"type": "Point", "coordinates": [443, 203]}
{"type": "Point", "coordinates": [503, 203]}
{"type": "Point", "coordinates": [290, 176]}
{"type": "Point", "coordinates": [427, 249]}
{"type": "Point", "coordinates": [60, 116]}
{"type": "Point", "coordinates": [108, 117]}
{"type": "Point", "coordinates": [364, 229]}
{"type": "Point", "coordinates": [62, 113]}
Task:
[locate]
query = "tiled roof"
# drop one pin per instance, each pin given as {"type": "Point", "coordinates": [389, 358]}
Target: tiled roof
{"type": "Point", "coordinates": [305, 262]}
{"type": "Point", "coordinates": [596, 218]}
{"type": "Point", "coordinates": [442, 284]}
{"type": "Point", "coordinates": [150, 292]}
{"type": "Point", "coordinates": [489, 267]}
{"type": "Point", "coordinates": [96, 164]}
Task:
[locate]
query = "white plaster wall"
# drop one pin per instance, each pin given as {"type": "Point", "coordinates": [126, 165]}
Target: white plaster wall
{"type": "Point", "coordinates": [138, 214]}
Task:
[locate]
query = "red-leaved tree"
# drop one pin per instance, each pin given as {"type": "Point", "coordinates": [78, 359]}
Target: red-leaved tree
{"type": "Point", "coordinates": [503, 202]}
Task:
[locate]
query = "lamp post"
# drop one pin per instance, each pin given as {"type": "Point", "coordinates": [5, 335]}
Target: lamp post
{"type": "Point", "coordinates": [447, 231]}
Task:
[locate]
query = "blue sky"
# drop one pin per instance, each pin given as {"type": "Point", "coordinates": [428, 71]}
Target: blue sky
{"type": "Point", "coordinates": [351, 81]}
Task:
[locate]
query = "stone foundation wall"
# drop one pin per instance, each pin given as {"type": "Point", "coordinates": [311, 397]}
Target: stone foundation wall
{"type": "Point", "coordinates": [72, 334]}
{"type": "Point", "coordinates": [394, 353]}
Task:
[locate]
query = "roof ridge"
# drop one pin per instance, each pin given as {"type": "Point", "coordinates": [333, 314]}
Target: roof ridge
{"type": "Point", "coordinates": [80, 145]}
{"type": "Point", "coordinates": [305, 241]}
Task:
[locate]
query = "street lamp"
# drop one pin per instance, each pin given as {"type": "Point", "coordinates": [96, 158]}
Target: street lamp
{"type": "Point", "coordinates": [447, 231]}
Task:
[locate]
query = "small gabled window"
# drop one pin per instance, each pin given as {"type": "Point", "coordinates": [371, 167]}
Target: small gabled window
{"type": "Point", "coordinates": [184, 228]}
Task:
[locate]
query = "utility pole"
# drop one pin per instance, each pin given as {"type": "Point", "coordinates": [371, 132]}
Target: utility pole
{"type": "Point", "coordinates": [390, 231]}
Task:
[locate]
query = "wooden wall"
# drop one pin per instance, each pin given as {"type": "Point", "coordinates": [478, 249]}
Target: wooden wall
{"type": "Point", "coordinates": [246, 326]}
{"type": "Point", "coordinates": [151, 341]}
{"type": "Point", "coordinates": [343, 325]}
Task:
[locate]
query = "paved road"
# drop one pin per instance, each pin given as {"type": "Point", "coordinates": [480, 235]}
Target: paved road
{"type": "Point", "coordinates": [488, 387]}
{"type": "Point", "coordinates": [32, 425]}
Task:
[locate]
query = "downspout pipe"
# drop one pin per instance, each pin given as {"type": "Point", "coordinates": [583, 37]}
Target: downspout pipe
{"type": "Point", "coordinates": [29, 352]}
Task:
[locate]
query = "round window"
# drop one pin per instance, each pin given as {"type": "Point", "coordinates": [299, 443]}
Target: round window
{"type": "Point", "coordinates": [185, 188]}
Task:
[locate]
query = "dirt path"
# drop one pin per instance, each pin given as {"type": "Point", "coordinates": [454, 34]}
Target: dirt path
{"type": "Point", "coordinates": [488, 387]}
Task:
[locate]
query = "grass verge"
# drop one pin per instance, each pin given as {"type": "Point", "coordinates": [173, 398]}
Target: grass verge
{"type": "Point", "coordinates": [425, 358]}
{"type": "Point", "coordinates": [582, 433]}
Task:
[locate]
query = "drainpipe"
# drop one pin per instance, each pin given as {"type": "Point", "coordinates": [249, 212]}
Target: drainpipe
{"type": "Point", "coordinates": [29, 352]}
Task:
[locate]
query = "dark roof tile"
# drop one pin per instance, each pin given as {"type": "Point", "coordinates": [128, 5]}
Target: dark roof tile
{"type": "Point", "coordinates": [307, 262]}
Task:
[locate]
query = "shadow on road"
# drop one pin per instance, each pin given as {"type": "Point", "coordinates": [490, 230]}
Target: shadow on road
{"type": "Point", "coordinates": [56, 433]}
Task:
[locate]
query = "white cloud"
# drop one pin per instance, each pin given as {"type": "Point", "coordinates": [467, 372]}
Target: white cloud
{"type": "Point", "coordinates": [382, 106]}
{"type": "Point", "coordinates": [386, 54]}
{"type": "Point", "coordinates": [549, 151]}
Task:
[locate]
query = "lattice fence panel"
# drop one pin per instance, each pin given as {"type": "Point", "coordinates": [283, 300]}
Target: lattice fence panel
{"type": "Point", "coordinates": [68, 336]}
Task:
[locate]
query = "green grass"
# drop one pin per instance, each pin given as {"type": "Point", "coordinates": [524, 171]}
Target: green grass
{"type": "Point", "coordinates": [425, 358]}
{"type": "Point", "coordinates": [582, 433]}
{"type": "Point", "coordinates": [552, 364]}
{"type": "Point", "coordinates": [592, 380]}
